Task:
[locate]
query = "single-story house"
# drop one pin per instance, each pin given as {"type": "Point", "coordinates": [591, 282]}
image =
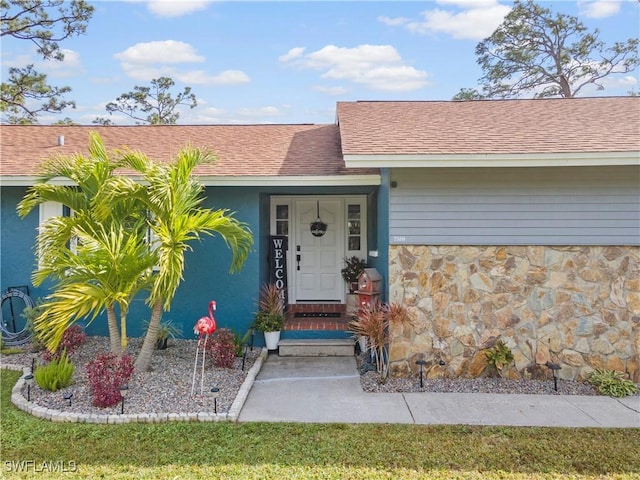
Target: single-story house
{"type": "Point", "coordinates": [517, 219]}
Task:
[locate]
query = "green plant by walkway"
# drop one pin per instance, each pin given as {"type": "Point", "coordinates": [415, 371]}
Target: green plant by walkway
{"type": "Point", "coordinates": [612, 383]}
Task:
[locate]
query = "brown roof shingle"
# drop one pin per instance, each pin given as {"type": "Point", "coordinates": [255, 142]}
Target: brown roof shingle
{"type": "Point", "coordinates": [242, 150]}
{"type": "Point", "coordinates": [578, 125]}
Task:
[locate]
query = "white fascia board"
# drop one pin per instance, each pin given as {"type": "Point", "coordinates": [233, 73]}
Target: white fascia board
{"type": "Point", "coordinates": [291, 181]}
{"type": "Point", "coordinates": [29, 180]}
{"type": "Point", "coordinates": [239, 181]}
{"type": "Point", "coordinates": [493, 160]}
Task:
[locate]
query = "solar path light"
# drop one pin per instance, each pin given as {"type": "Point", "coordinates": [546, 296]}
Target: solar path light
{"type": "Point", "coordinates": [215, 391]}
{"type": "Point", "coordinates": [421, 363]}
{"type": "Point", "coordinates": [124, 389]}
{"type": "Point", "coordinates": [29, 379]}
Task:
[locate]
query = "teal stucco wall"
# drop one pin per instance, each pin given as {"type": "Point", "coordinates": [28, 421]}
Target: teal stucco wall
{"type": "Point", "coordinates": [206, 275]}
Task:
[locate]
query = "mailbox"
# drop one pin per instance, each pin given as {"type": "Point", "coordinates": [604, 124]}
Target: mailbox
{"type": "Point", "coordinates": [369, 287]}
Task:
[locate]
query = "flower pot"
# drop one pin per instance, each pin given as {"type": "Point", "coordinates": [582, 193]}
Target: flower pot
{"type": "Point", "coordinates": [352, 304]}
{"type": "Point", "coordinates": [362, 343]}
{"type": "Point", "coordinates": [272, 339]}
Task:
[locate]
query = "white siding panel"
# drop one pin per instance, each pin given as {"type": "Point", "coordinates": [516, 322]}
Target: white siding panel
{"type": "Point", "coordinates": [528, 206]}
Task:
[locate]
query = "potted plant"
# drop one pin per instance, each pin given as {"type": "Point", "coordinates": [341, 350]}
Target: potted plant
{"type": "Point", "coordinates": [372, 322]}
{"type": "Point", "coordinates": [354, 266]}
{"type": "Point", "coordinates": [165, 330]}
{"type": "Point", "coordinates": [270, 315]}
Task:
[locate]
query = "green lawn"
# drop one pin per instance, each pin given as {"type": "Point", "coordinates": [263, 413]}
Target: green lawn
{"type": "Point", "coordinates": [308, 451]}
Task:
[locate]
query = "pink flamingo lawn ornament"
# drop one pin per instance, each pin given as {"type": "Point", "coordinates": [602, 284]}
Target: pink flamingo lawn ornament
{"type": "Point", "coordinates": [203, 328]}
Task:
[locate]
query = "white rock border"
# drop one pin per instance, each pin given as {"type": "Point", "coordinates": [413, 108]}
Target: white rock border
{"type": "Point", "coordinates": [71, 417]}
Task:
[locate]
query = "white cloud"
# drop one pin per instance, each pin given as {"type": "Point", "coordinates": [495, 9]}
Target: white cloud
{"type": "Point", "coordinates": [167, 51]}
{"type": "Point", "coordinates": [173, 8]}
{"type": "Point", "coordinates": [199, 77]}
{"type": "Point", "coordinates": [244, 116]}
{"type": "Point", "coordinates": [393, 22]}
{"type": "Point", "coordinates": [69, 67]}
{"type": "Point", "coordinates": [468, 3]}
{"type": "Point", "coordinates": [472, 24]}
{"type": "Point", "coordinates": [378, 67]}
{"type": "Point", "coordinates": [208, 115]}
{"type": "Point", "coordinates": [17, 61]}
{"type": "Point", "coordinates": [467, 20]}
{"type": "Point", "coordinates": [291, 54]}
{"type": "Point", "coordinates": [626, 82]}
{"type": "Point", "coordinates": [146, 61]}
{"type": "Point", "coordinates": [599, 8]}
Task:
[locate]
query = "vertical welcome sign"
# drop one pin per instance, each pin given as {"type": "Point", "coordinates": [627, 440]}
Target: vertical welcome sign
{"type": "Point", "coordinates": [278, 264]}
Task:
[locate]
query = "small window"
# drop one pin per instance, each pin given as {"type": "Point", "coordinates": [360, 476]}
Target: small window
{"type": "Point", "coordinates": [152, 239]}
{"type": "Point", "coordinates": [48, 210]}
{"type": "Point", "coordinates": [282, 219]}
{"type": "Point", "coordinates": [354, 226]}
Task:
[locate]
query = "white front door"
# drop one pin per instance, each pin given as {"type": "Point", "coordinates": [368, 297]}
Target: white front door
{"type": "Point", "coordinates": [317, 273]}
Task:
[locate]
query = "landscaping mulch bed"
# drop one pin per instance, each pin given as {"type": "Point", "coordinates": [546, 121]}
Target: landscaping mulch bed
{"type": "Point", "coordinates": [166, 388]}
{"type": "Point", "coordinates": [371, 382]}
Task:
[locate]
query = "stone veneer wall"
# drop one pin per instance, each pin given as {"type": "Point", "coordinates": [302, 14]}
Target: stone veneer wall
{"type": "Point", "coordinates": [576, 306]}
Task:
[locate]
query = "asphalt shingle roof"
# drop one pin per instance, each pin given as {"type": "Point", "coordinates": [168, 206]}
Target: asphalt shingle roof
{"type": "Point", "coordinates": [242, 150]}
{"type": "Point", "coordinates": [578, 125]}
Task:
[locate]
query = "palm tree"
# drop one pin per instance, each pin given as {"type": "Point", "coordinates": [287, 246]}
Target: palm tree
{"type": "Point", "coordinates": [97, 256]}
{"type": "Point", "coordinates": [174, 197]}
{"type": "Point", "coordinates": [113, 259]}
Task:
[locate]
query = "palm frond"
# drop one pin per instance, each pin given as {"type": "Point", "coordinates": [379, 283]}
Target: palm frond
{"type": "Point", "coordinates": [67, 305]}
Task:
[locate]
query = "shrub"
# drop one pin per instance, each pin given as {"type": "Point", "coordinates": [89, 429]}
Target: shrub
{"type": "Point", "coordinates": [612, 383]}
{"type": "Point", "coordinates": [106, 374]}
{"type": "Point", "coordinates": [499, 356]}
{"type": "Point", "coordinates": [222, 348]}
{"type": "Point", "coordinates": [72, 338]}
{"type": "Point", "coordinates": [372, 322]}
{"type": "Point", "coordinates": [56, 374]}
{"type": "Point", "coordinates": [238, 344]}
{"type": "Point", "coordinates": [30, 314]}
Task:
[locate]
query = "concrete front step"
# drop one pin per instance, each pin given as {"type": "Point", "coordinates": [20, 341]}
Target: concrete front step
{"type": "Point", "coordinates": [316, 347]}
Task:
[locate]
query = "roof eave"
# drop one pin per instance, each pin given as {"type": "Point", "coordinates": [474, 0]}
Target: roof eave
{"type": "Point", "coordinates": [493, 160]}
{"type": "Point", "coordinates": [291, 180]}
{"type": "Point", "coordinates": [233, 181]}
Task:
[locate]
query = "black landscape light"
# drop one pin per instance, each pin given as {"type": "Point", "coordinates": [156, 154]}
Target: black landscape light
{"type": "Point", "coordinates": [421, 363]}
{"type": "Point", "coordinates": [245, 347]}
{"type": "Point", "coordinates": [215, 391]}
{"type": "Point", "coordinates": [29, 379]}
{"type": "Point", "coordinates": [33, 364]}
{"type": "Point", "coordinates": [68, 396]}
{"type": "Point", "coordinates": [554, 367]}
{"type": "Point", "coordinates": [124, 389]}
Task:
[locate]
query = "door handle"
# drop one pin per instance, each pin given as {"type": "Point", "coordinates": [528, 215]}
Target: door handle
{"type": "Point", "coordinates": [298, 258]}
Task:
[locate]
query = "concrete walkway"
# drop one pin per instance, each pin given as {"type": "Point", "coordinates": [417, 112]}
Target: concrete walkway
{"type": "Point", "coordinates": [327, 390]}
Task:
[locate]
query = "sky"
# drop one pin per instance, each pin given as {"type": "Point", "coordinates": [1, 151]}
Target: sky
{"type": "Point", "coordinates": [290, 61]}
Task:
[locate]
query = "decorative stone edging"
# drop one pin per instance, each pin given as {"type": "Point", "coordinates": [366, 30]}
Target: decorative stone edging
{"type": "Point", "coordinates": [71, 417]}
